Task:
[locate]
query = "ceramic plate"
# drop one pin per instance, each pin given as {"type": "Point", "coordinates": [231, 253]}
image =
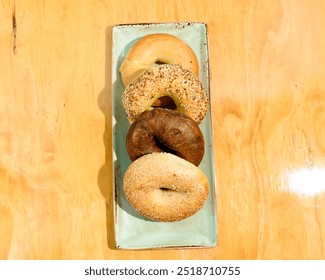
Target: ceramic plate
{"type": "Point", "coordinates": [133, 231]}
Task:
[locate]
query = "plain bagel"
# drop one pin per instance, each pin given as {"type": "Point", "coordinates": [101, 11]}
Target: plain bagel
{"type": "Point", "coordinates": [166, 80]}
{"type": "Point", "coordinates": [153, 48]}
{"type": "Point", "coordinates": [164, 187]}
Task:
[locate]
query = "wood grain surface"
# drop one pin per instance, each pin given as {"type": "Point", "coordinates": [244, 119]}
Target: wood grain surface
{"type": "Point", "coordinates": [267, 64]}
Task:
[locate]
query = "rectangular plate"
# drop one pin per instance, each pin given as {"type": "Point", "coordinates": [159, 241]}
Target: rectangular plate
{"type": "Point", "coordinates": [132, 231]}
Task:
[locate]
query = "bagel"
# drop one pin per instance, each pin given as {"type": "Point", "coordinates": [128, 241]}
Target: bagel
{"type": "Point", "coordinates": [173, 81]}
{"type": "Point", "coordinates": [164, 187]}
{"type": "Point", "coordinates": [165, 130]}
{"type": "Point", "coordinates": [160, 47]}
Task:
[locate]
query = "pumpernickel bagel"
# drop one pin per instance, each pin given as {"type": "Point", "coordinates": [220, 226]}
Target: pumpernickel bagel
{"type": "Point", "coordinates": [165, 130]}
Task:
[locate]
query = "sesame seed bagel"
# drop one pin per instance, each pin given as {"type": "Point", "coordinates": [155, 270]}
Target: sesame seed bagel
{"type": "Point", "coordinates": [164, 187]}
{"type": "Point", "coordinates": [159, 47]}
{"type": "Point", "coordinates": [173, 81]}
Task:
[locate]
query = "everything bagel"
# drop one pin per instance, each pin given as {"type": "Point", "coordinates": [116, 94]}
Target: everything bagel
{"type": "Point", "coordinates": [167, 80]}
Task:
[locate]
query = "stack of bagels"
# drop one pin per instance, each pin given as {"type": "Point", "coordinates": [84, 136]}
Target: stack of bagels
{"type": "Point", "coordinates": [164, 102]}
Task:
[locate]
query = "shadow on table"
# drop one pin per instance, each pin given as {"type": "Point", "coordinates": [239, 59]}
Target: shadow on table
{"type": "Point", "coordinates": [105, 173]}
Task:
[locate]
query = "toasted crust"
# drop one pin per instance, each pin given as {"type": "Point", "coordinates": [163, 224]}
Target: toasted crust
{"type": "Point", "coordinates": [166, 80]}
{"type": "Point", "coordinates": [165, 188]}
{"type": "Point", "coordinates": [160, 47]}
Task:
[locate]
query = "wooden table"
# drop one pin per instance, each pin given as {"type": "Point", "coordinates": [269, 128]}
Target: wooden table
{"type": "Point", "coordinates": [267, 64]}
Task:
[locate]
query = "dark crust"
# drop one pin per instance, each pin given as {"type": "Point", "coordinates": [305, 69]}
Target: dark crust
{"type": "Point", "coordinates": [165, 130]}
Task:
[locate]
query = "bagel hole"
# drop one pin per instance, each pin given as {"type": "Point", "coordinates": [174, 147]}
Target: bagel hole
{"type": "Point", "coordinates": [165, 102]}
{"type": "Point", "coordinates": [158, 62]}
{"type": "Point", "coordinates": [166, 189]}
{"type": "Point", "coordinates": [163, 147]}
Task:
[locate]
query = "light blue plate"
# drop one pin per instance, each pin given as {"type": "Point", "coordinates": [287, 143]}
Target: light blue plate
{"type": "Point", "coordinates": [133, 231]}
